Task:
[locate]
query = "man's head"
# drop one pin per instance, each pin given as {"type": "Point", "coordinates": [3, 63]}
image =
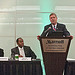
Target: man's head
{"type": "Point", "coordinates": [53, 18]}
{"type": "Point", "coordinates": [20, 42]}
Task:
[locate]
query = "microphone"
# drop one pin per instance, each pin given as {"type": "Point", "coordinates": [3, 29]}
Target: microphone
{"type": "Point", "coordinates": [47, 29]}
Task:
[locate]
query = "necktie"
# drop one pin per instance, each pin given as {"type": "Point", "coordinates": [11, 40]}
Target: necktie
{"type": "Point", "coordinates": [54, 28]}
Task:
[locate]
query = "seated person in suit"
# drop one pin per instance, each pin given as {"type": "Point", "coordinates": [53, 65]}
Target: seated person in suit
{"type": "Point", "coordinates": [22, 51]}
{"type": "Point", "coordinates": [1, 52]}
{"type": "Point", "coordinates": [54, 27]}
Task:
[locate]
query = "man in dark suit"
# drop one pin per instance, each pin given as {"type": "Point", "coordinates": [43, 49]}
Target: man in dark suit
{"type": "Point", "coordinates": [55, 27]}
{"type": "Point", "coordinates": [1, 52]}
{"type": "Point", "coordinates": [22, 51]}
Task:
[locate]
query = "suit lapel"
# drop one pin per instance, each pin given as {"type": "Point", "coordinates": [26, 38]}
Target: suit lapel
{"type": "Point", "coordinates": [17, 50]}
{"type": "Point", "coordinates": [51, 28]}
{"type": "Point", "coordinates": [57, 28]}
{"type": "Point", "coordinates": [25, 50]}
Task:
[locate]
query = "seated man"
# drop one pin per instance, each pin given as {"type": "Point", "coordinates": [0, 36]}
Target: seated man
{"type": "Point", "coordinates": [1, 52]}
{"type": "Point", "coordinates": [22, 51]}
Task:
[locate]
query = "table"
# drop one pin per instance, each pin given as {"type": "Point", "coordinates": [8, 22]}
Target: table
{"type": "Point", "coordinates": [20, 67]}
{"type": "Point", "coordinates": [70, 67]}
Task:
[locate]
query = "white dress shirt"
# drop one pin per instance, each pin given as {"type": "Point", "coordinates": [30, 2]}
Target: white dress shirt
{"type": "Point", "coordinates": [21, 50]}
{"type": "Point", "coordinates": [55, 26]}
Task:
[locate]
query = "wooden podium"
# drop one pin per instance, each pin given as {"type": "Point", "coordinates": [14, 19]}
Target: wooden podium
{"type": "Point", "coordinates": [54, 51]}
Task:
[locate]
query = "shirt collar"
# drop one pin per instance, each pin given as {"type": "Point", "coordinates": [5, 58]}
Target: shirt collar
{"type": "Point", "coordinates": [55, 25]}
{"type": "Point", "coordinates": [20, 48]}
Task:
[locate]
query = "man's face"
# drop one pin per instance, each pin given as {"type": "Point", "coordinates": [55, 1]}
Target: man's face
{"type": "Point", "coordinates": [20, 43]}
{"type": "Point", "coordinates": [53, 19]}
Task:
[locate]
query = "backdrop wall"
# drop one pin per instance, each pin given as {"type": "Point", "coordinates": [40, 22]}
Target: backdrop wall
{"type": "Point", "coordinates": [27, 18]}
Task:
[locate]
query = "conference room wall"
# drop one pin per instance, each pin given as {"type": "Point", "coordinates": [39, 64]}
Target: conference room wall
{"type": "Point", "coordinates": [27, 18]}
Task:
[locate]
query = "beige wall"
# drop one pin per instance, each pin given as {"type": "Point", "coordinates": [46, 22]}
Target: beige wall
{"type": "Point", "coordinates": [27, 18]}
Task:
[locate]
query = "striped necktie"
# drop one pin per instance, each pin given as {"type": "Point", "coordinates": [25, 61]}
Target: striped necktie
{"type": "Point", "coordinates": [54, 28]}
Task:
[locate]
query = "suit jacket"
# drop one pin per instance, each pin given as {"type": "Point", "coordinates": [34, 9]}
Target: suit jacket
{"type": "Point", "coordinates": [1, 52]}
{"type": "Point", "coordinates": [27, 50]}
{"type": "Point", "coordinates": [59, 28]}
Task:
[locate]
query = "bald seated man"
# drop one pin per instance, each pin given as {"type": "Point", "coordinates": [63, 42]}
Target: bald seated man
{"type": "Point", "coordinates": [22, 50]}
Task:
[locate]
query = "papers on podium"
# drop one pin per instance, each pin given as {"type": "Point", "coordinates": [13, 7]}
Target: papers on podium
{"type": "Point", "coordinates": [24, 58]}
{"type": "Point", "coordinates": [3, 58]}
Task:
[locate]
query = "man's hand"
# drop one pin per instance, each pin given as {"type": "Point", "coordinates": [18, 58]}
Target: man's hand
{"type": "Point", "coordinates": [20, 56]}
{"type": "Point", "coordinates": [38, 37]}
{"type": "Point", "coordinates": [71, 36]}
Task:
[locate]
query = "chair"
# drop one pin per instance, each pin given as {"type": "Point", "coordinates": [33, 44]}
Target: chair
{"type": "Point", "coordinates": [1, 52]}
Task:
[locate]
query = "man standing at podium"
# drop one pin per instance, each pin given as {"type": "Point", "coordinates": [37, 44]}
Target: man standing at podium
{"type": "Point", "coordinates": [54, 49]}
{"type": "Point", "coordinates": [21, 50]}
{"type": "Point", "coordinates": [54, 27]}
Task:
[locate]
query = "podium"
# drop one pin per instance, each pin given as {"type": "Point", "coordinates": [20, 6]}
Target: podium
{"type": "Point", "coordinates": [54, 51]}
